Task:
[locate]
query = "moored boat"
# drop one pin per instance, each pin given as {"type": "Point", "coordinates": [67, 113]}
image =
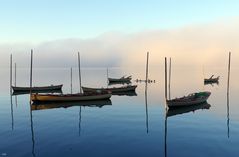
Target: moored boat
{"type": "Point", "coordinates": [71, 97]}
{"type": "Point", "coordinates": [191, 99]}
{"type": "Point", "coordinates": [122, 79]}
{"type": "Point", "coordinates": [113, 89]}
{"type": "Point", "coordinates": [37, 89]}
{"type": "Point", "coordinates": [211, 79]}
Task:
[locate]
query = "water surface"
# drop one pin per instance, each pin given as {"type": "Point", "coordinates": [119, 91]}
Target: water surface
{"type": "Point", "coordinates": [125, 126]}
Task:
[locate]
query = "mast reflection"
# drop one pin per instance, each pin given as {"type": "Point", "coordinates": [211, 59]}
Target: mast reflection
{"type": "Point", "coordinates": [12, 114]}
{"type": "Point", "coordinates": [228, 117]}
{"type": "Point", "coordinates": [32, 133]}
{"type": "Point", "coordinates": [55, 105]}
{"type": "Point", "coordinates": [146, 108]}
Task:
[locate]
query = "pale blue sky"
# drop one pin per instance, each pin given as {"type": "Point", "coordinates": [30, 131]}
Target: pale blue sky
{"type": "Point", "coordinates": [44, 20]}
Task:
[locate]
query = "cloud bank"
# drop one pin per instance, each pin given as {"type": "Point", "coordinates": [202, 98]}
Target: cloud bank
{"type": "Point", "coordinates": [205, 44]}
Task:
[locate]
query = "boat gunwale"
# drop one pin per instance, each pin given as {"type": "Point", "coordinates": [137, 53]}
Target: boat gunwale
{"type": "Point", "coordinates": [188, 100]}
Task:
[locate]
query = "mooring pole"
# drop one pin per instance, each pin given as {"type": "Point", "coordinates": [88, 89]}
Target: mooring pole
{"type": "Point", "coordinates": [11, 73]}
{"type": "Point", "coordinates": [79, 71]}
{"type": "Point", "coordinates": [166, 91]}
{"type": "Point", "coordinates": [228, 102]}
{"type": "Point", "coordinates": [15, 83]}
{"type": "Point", "coordinates": [71, 80]}
{"type": "Point", "coordinates": [147, 63]}
{"type": "Point", "coordinates": [228, 76]}
{"type": "Point", "coordinates": [169, 80]}
{"type": "Point", "coordinates": [31, 72]}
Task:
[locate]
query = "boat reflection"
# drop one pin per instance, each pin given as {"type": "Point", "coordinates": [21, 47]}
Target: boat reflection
{"type": "Point", "coordinates": [129, 93]}
{"type": "Point", "coordinates": [43, 91]}
{"type": "Point", "coordinates": [52, 105]}
{"type": "Point", "coordinates": [186, 109]}
{"type": "Point", "coordinates": [211, 83]}
{"type": "Point", "coordinates": [170, 112]}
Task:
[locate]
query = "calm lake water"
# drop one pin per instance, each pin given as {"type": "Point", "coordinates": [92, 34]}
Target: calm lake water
{"type": "Point", "coordinates": [127, 125]}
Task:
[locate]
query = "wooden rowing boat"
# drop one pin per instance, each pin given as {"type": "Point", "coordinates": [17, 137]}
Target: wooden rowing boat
{"type": "Point", "coordinates": [113, 89]}
{"type": "Point", "coordinates": [52, 105]}
{"type": "Point", "coordinates": [37, 89]}
{"type": "Point", "coordinates": [191, 99]}
{"type": "Point", "coordinates": [71, 97]}
{"type": "Point", "coordinates": [211, 79]}
{"type": "Point", "coordinates": [122, 79]}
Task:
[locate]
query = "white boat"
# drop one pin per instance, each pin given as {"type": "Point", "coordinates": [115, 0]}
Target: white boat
{"type": "Point", "coordinates": [113, 89]}
{"type": "Point", "coordinates": [122, 79]}
{"type": "Point", "coordinates": [71, 97]}
{"type": "Point", "coordinates": [191, 99]}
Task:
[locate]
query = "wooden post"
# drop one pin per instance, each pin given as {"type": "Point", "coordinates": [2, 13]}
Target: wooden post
{"type": "Point", "coordinates": [71, 80]}
{"type": "Point", "coordinates": [169, 80]}
{"type": "Point", "coordinates": [79, 71]}
{"type": "Point", "coordinates": [147, 62]}
{"type": "Point", "coordinates": [107, 79]}
{"type": "Point", "coordinates": [107, 73]}
{"type": "Point", "coordinates": [15, 83]}
{"type": "Point", "coordinates": [228, 76]}
{"type": "Point", "coordinates": [11, 74]}
{"type": "Point", "coordinates": [228, 102]}
{"type": "Point", "coordinates": [31, 72]}
{"type": "Point", "coordinates": [146, 93]}
{"type": "Point", "coordinates": [166, 95]}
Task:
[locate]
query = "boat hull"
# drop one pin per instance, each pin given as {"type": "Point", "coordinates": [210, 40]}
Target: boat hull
{"type": "Point", "coordinates": [37, 89]}
{"type": "Point", "coordinates": [119, 80]}
{"type": "Point", "coordinates": [68, 97]}
{"type": "Point", "coordinates": [181, 102]}
{"type": "Point", "coordinates": [113, 90]}
{"type": "Point", "coordinates": [211, 80]}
